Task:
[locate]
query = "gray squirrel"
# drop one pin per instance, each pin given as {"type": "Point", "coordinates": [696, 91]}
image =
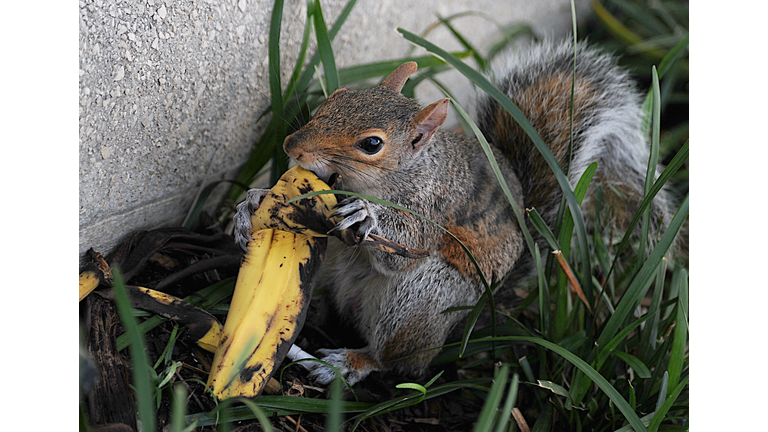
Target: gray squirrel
{"type": "Point", "coordinates": [388, 146]}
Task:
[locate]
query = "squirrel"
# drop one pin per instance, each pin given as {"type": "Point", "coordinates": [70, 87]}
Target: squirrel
{"type": "Point", "coordinates": [385, 145]}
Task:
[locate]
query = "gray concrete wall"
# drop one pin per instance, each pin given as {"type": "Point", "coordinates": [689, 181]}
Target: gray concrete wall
{"type": "Point", "coordinates": [170, 90]}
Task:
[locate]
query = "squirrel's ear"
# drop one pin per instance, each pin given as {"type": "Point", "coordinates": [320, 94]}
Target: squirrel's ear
{"type": "Point", "coordinates": [396, 80]}
{"type": "Point", "coordinates": [428, 121]}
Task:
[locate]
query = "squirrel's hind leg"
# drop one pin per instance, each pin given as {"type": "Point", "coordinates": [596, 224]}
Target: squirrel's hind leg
{"type": "Point", "coordinates": [353, 364]}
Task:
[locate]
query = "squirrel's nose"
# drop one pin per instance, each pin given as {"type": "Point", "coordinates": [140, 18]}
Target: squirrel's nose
{"type": "Point", "coordinates": [291, 146]}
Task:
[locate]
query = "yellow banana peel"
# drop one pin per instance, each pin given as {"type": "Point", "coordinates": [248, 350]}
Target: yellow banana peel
{"type": "Point", "coordinates": [274, 286]}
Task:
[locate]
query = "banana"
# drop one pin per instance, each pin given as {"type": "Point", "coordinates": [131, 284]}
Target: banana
{"type": "Point", "coordinates": [274, 285]}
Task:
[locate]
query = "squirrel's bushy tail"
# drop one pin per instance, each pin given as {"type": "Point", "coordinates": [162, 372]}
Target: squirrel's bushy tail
{"type": "Point", "coordinates": [607, 128]}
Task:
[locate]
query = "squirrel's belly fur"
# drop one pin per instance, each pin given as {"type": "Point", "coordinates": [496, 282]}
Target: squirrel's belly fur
{"type": "Point", "coordinates": [388, 146]}
{"type": "Point", "coordinates": [388, 312]}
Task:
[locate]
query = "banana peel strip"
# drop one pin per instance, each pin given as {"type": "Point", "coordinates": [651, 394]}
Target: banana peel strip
{"type": "Point", "coordinates": [95, 272]}
{"type": "Point", "coordinates": [202, 327]}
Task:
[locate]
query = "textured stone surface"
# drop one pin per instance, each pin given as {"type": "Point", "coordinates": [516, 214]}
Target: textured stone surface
{"type": "Point", "coordinates": [170, 90]}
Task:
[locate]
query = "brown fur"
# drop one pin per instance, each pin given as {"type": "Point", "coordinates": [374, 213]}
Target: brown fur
{"type": "Point", "coordinates": [483, 241]}
{"type": "Point", "coordinates": [360, 361]}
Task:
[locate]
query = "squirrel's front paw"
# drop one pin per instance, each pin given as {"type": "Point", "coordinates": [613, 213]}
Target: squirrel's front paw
{"type": "Point", "coordinates": [356, 211]}
{"type": "Point", "coordinates": [242, 218]}
{"type": "Point", "coordinates": [353, 365]}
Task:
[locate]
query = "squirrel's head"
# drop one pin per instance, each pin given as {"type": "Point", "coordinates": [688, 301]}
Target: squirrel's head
{"type": "Point", "coordinates": [365, 134]}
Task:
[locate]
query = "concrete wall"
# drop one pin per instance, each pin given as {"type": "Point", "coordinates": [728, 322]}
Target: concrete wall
{"type": "Point", "coordinates": [170, 90]}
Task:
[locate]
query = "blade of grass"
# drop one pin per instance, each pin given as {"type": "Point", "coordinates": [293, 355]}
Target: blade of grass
{"type": "Point", "coordinates": [142, 382]}
{"type": "Point", "coordinates": [651, 331]}
{"type": "Point", "coordinates": [197, 208]}
{"type": "Point", "coordinates": [306, 77]}
{"type": "Point", "coordinates": [465, 43]}
{"type": "Point", "coordinates": [509, 404]}
{"type": "Point", "coordinates": [662, 391]}
{"type": "Point", "coordinates": [83, 419]}
{"type": "Point", "coordinates": [653, 158]}
{"type": "Point", "coordinates": [260, 156]}
{"type": "Point", "coordinates": [544, 420]}
{"type": "Point", "coordinates": [566, 229]}
{"type": "Point", "coordinates": [640, 369]}
{"type": "Point", "coordinates": [672, 56]}
{"type": "Point", "coordinates": [543, 229]}
{"type": "Point", "coordinates": [275, 86]}
{"type": "Point", "coordinates": [556, 389]}
{"type": "Point", "coordinates": [669, 60]}
{"type": "Point", "coordinates": [573, 88]}
{"type": "Point", "coordinates": [662, 411]}
{"type": "Point", "coordinates": [381, 69]}
{"type": "Point", "coordinates": [487, 417]}
{"type": "Point", "coordinates": [291, 87]}
{"type": "Point", "coordinates": [544, 299]}
{"type": "Point", "coordinates": [479, 80]}
{"type": "Point", "coordinates": [333, 423]}
{"type": "Point", "coordinates": [680, 340]}
{"type": "Point", "coordinates": [325, 50]}
{"type": "Point", "coordinates": [179, 408]}
{"type": "Point", "coordinates": [280, 160]}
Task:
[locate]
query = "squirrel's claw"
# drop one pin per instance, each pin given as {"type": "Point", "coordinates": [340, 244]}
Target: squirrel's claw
{"type": "Point", "coordinates": [242, 218]}
{"type": "Point", "coordinates": [356, 210]}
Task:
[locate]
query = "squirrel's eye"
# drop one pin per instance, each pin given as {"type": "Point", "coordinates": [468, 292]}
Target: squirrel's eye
{"type": "Point", "coordinates": [371, 145]}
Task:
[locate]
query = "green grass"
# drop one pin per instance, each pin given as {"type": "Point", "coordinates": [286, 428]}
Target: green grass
{"type": "Point", "coordinates": [598, 368]}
